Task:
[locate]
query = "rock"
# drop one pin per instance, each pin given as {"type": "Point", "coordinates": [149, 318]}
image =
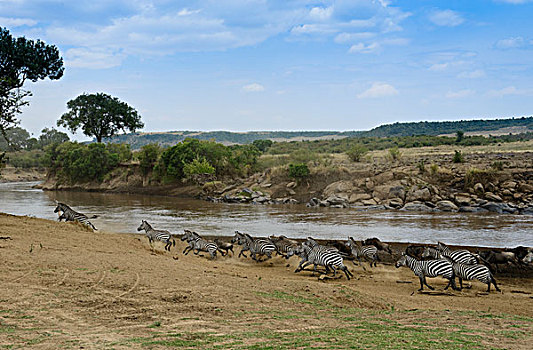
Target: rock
{"type": "Point", "coordinates": [423, 194]}
{"type": "Point", "coordinates": [323, 204]}
{"type": "Point", "coordinates": [397, 192]}
{"type": "Point", "coordinates": [499, 208]}
{"type": "Point", "coordinates": [291, 184]}
{"type": "Point", "coordinates": [446, 206]}
{"type": "Point", "coordinates": [357, 197]}
{"type": "Point", "coordinates": [469, 209]}
{"type": "Point", "coordinates": [492, 197]}
{"type": "Point", "coordinates": [396, 203]}
{"type": "Point", "coordinates": [490, 187]}
{"type": "Point", "coordinates": [507, 193]}
{"type": "Point", "coordinates": [291, 192]}
{"type": "Point", "coordinates": [338, 187]}
{"type": "Point", "coordinates": [261, 200]}
{"type": "Point", "coordinates": [369, 184]}
{"type": "Point", "coordinates": [371, 201]}
{"type": "Point", "coordinates": [478, 188]}
{"type": "Point", "coordinates": [313, 202]}
{"type": "Point", "coordinates": [525, 188]}
{"type": "Point", "coordinates": [266, 185]}
{"type": "Point", "coordinates": [416, 207]}
{"type": "Point", "coordinates": [335, 200]}
{"type": "Point", "coordinates": [509, 185]}
{"type": "Point", "coordinates": [462, 199]}
{"type": "Point", "coordinates": [527, 211]}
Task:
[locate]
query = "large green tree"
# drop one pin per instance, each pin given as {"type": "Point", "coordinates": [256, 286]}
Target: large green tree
{"type": "Point", "coordinates": [100, 115]}
{"type": "Point", "coordinates": [21, 60]}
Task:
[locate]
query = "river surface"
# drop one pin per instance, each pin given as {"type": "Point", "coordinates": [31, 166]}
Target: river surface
{"type": "Point", "coordinates": [121, 213]}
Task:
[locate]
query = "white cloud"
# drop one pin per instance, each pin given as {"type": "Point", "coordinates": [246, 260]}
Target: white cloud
{"type": "Point", "coordinates": [343, 38]}
{"type": "Point", "coordinates": [187, 12]}
{"type": "Point", "coordinates": [439, 66]}
{"type": "Point", "coordinates": [460, 93]}
{"type": "Point", "coordinates": [254, 87]}
{"type": "Point", "coordinates": [516, 2]}
{"type": "Point", "coordinates": [446, 18]}
{"type": "Point", "coordinates": [93, 59]}
{"type": "Point", "coordinates": [379, 90]}
{"type": "Point", "coordinates": [17, 22]}
{"type": "Point", "coordinates": [511, 43]}
{"type": "Point", "coordinates": [507, 91]}
{"type": "Point", "coordinates": [321, 13]}
{"type": "Point", "coordinates": [478, 73]}
{"type": "Point", "coordinates": [362, 48]}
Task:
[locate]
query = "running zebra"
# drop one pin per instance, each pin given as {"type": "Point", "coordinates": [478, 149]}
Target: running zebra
{"type": "Point", "coordinates": [461, 256]}
{"type": "Point", "coordinates": [471, 272]}
{"type": "Point", "coordinates": [284, 246]}
{"type": "Point", "coordinates": [257, 246]}
{"type": "Point", "coordinates": [320, 255]}
{"type": "Point", "coordinates": [197, 244]}
{"type": "Point", "coordinates": [156, 235]}
{"type": "Point", "coordinates": [368, 252]}
{"type": "Point", "coordinates": [429, 268]}
{"type": "Point", "coordinates": [68, 214]}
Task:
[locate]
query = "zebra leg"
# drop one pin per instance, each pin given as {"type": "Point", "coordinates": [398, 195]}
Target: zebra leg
{"type": "Point", "coordinates": [186, 250]}
{"type": "Point", "coordinates": [421, 278]}
{"type": "Point", "coordinates": [346, 272]}
{"type": "Point", "coordinates": [460, 283]}
{"type": "Point", "coordinates": [494, 282]}
{"type": "Point", "coordinates": [300, 266]}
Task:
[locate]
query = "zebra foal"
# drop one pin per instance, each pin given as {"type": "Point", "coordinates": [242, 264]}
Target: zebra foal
{"type": "Point", "coordinates": [69, 214]}
{"type": "Point", "coordinates": [470, 272]}
{"type": "Point", "coordinates": [320, 255]}
{"type": "Point", "coordinates": [197, 244]}
{"type": "Point", "coordinates": [368, 252]}
{"type": "Point", "coordinates": [156, 235]}
{"type": "Point", "coordinates": [428, 268]}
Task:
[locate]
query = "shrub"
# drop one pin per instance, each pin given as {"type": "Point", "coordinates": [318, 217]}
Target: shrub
{"type": "Point", "coordinates": [262, 145]}
{"type": "Point", "coordinates": [148, 156]}
{"type": "Point", "coordinates": [421, 165]}
{"type": "Point", "coordinates": [298, 171]}
{"type": "Point", "coordinates": [394, 153]}
{"type": "Point", "coordinates": [433, 169]}
{"type": "Point", "coordinates": [198, 167]}
{"type": "Point", "coordinates": [356, 152]}
{"type": "Point", "coordinates": [458, 157]}
{"type": "Point", "coordinates": [476, 175]}
{"type": "Point", "coordinates": [497, 165]}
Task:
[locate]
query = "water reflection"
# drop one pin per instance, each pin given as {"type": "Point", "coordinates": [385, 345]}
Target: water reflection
{"type": "Point", "coordinates": [123, 212]}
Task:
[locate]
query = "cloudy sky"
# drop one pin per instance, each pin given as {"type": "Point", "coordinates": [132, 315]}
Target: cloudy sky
{"type": "Point", "coordinates": [284, 65]}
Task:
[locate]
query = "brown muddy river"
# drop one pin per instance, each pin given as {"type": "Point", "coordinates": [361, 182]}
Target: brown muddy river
{"type": "Point", "coordinates": [122, 213]}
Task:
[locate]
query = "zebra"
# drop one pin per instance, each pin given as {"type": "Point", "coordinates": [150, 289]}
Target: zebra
{"type": "Point", "coordinates": [284, 246]}
{"type": "Point", "coordinates": [461, 256]}
{"type": "Point", "coordinates": [256, 246]}
{"type": "Point", "coordinates": [470, 272]}
{"type": "Point", "coordinates": [69, 214]}
{"type": "Point", "coordinates": [320, 255]}
{"type": "Point", "coordinates": [368, 252]}
{"type": "Point", "coordinates": [198, 244]}
{"type": "Point", "coordinates": [156, 235]}
{"type": "Point", "coordinates": [429, 268]}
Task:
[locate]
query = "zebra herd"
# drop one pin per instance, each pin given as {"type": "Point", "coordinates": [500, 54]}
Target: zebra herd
{"type": "Point", "coordinates": [443, 261]}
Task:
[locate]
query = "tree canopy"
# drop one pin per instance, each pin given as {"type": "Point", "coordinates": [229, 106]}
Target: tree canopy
{"type": "Point", "coordinates": [100, 115]}
{"type": "Point", "coordinates": [21, 60]}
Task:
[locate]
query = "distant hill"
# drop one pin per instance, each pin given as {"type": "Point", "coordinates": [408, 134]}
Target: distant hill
{"type": "Point", "coordinates": [470, 127]}
{"type": "Point", "coordinates": [439, 128]}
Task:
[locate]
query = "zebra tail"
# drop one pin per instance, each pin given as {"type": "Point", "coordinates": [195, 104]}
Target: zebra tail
{"type": "Point", "coordinates": [94, 216]}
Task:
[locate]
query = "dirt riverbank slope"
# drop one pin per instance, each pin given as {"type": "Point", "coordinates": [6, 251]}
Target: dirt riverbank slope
{"type": "Point", "coordinates": [62, 286]}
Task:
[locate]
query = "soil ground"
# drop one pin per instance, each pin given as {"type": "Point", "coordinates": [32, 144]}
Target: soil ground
{"type": "Point", "coordinates": [62, 286]}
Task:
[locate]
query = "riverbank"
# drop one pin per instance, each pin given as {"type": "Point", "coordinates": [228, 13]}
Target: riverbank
{"type": "Point", "coordinates": [489, 179]}
{"type": "Point", "coordinates": [63, 286]}
{"type": "Point", "coordinates": [12, 174]}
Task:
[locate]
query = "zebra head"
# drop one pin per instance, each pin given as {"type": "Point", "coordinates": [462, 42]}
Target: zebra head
{"type": "Point", "coordinates": [237, 237]}
{"type": "Point", "coordinates": [144, 226]}
{"type": "Point", "coordinates": [186, 235]}
{"type": "Point", "coordinates": [59, 207]}
{"type": "Point", "coordinates": [443, 248]}
{"type": "Point", "coordinates": [402, 261]}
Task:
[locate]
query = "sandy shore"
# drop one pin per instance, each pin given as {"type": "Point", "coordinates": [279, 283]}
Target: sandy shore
{"type": "Point", "coordinates": [62, 286]}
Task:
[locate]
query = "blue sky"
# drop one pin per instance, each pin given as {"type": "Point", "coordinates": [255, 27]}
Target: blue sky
{"type": "Point", "coordinates": [284, 65]}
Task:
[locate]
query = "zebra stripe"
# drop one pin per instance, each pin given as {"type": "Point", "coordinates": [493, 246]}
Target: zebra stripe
{"type": "Point", "coordinates": [471, 272]}
{"type": "Point", "coordinates": [284, 246]}
{"type": "Point", "coordinates": [68, 214]}
{"type": "Point", "coordinates": [197, 244]}
{"type": "Point", "coordinates": [320, 255]}
{"type": "Point", "coordinates": [461, 256]}
{"type": "Point", "coordinates": [429, 268]}
{"type": "Point", "coordinates": [156, 235]}
{"type": "Point", "coordinates": [368, 252]}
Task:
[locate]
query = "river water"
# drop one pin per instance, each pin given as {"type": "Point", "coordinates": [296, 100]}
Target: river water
{"type": "Point", "coordinates": [121, 213]}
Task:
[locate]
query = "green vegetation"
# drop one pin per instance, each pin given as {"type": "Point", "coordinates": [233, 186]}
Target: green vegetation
{"type": "Point", "coordinates": [458, 157]}
{"type": "Point", "coordinates": [148, 156]}
{"type": "Point", "coordinates": [74, 162]}
{"type": "Point", "coordinates": [298, 171]}
{"type": "Point", "coordinates": [100, 115]}
{"type": "Point", "coordinates": [22, 60]}
{"type": "Point", "coordinates": [198, 167]}
{"type": "Point", "coordinates": [233, 160]}
{"type": "Point", "coordinates": [394, 154]}
{"type": "Point", "coordinates": [356, 152]}
{"type": "Point", "coordinates": [483, 176]}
